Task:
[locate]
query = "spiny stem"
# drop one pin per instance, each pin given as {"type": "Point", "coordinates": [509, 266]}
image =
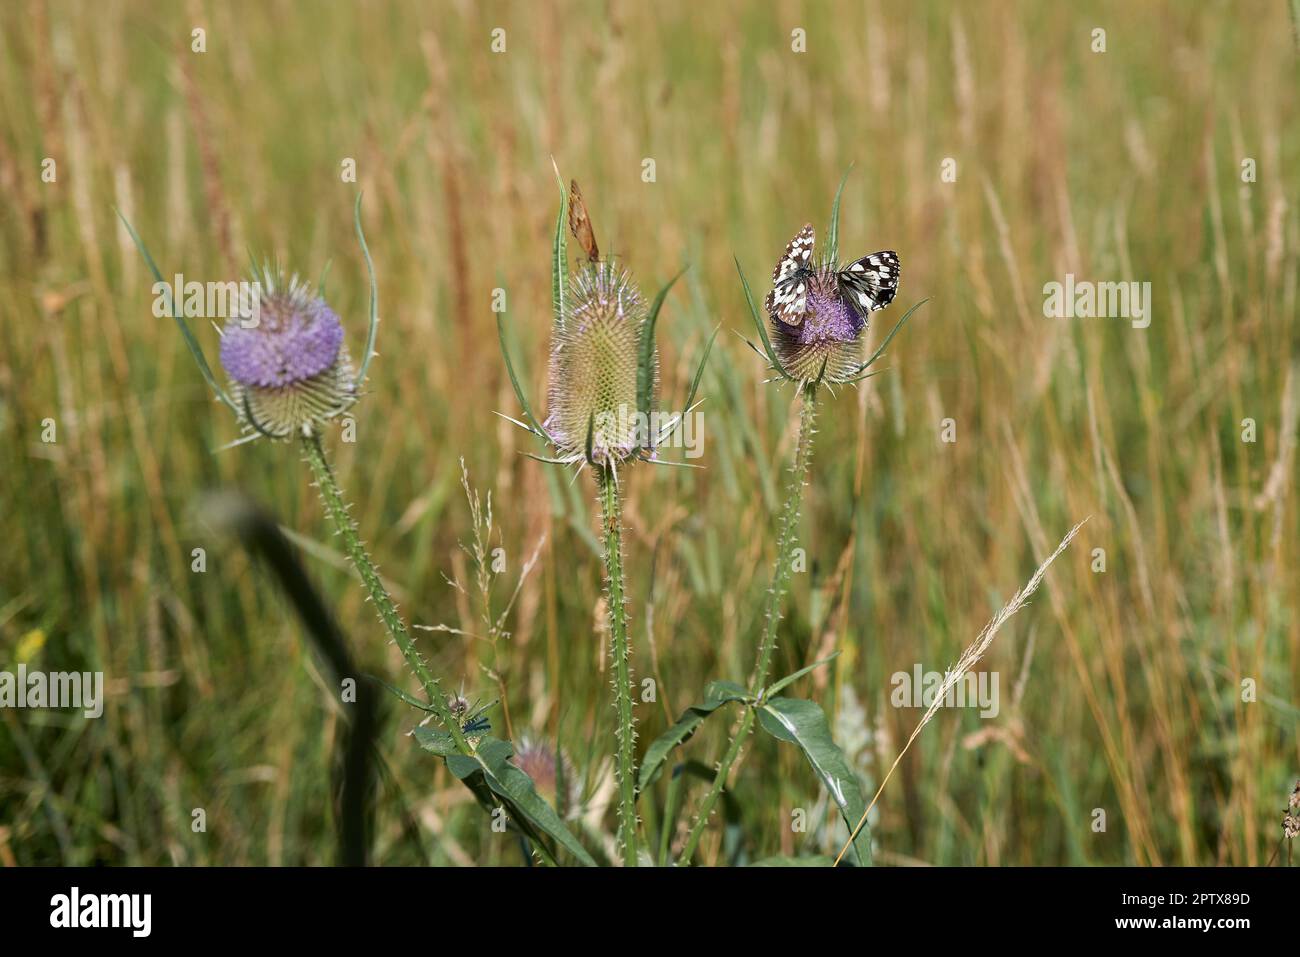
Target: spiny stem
{"type": "Point", "coordinates": [612, 516]}
{"type": "Point", "coordinates": [787, 530]}
{"type": "Point", "coordinates": [337, 510]}
{"type": "Point", "coordinates": [787, 535]}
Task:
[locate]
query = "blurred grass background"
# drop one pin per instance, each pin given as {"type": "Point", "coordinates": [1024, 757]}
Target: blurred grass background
{"type": "Point", "coordinates": [1120, 690]}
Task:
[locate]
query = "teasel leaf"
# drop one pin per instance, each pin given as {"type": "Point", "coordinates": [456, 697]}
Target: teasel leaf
{"type": "Point", "coordinates": [804, 723]}
{"type": "Point", "coordinates": [833, 232]}
{"type": "Point", "coordinates": [490, 767]}
{"type": "Point", "coordinates": [716, 695]}
{"type": "Point", "coordinates": [373, 331]}
{"type": "Point", "coordinates": [534, 425]}
{"type": "Point", "coordinates": [559, 253]}
{"type": "Point", "coordinates": [762, 329]}
{"type": "Point", "coordinates": [413, 701]}
{"type": "Point", "coordinates": [790, 679]}
{"type": "Point", "coordinates": [699, 371]}
{"type": "Point", "coordinates": [190, 341]}
{"type": "Point", "coordinates": [438, 741]}
{"type": "Point", "coordinates": [885, 344]}
{"type": "Point", "coordinates": [591, 435]}
{"type": "Point", "coordinates": [865, 376]}
{"type": "Point", "coordinates": [645, 370]}
{"type": "Point", "coordinates": [545, 459]}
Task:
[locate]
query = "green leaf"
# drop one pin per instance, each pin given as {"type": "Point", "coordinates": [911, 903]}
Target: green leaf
{"type": "Point", "coordinates": [190, 341]}
{"type": "Point", "coordinates": [863, 377]}
{"type": "Point", "coordinates": [646, 350]}
{"type": "Point", "coordinates": [514, 787]}
{"type": "Point", "coordinates": [374, 294]}
{"type": "Point", "coordinates": [892, 332]}
{"type": "Point", "coordinates": [462, 766]}
{"type": "Point", "coordinates": [409, 699]}
{"type": "Point", "coordinates": [514, 379]}
{"type": "Point", "coordinates": [699, 371]}
{"type": "Point", "coordinates": [560, 254]}
{"type": "Point", "coordinates": [716, 695]}
{"type": "Point", "coordinates": [804, 723]}
{"type": "Point", "coordinates": [790, 679]}
{"type": "Point", "coordinates": [758, 324]}
{"type": "Point", "coordinates": [833, 233]}
{"type": "Point", "coordinates": [439, 742]}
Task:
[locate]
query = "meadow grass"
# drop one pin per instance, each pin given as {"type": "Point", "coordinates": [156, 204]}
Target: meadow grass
{"type": "Point", "coordinates": [1123, 688]}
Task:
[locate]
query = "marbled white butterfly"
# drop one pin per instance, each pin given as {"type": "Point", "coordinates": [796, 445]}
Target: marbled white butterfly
{"type": "Point", "coordinates": [867, 284]}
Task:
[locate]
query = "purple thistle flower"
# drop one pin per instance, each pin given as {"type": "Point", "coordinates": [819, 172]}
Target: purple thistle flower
{"type": "Point", "coordinates": [829, 319]}
{"type": "Point", "coordinates": [830, 334]}
{"type": "Point", "coordinates": [296, 338]}
{"type": "Point", "coordinates": [289, 369]}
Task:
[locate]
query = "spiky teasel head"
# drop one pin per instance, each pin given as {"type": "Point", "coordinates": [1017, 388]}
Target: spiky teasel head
{"type": "Point", "coordinates": [289, 369]}
{"type": "Point", "coordinates": [552, 773]}
{"type": "Point", "coordinates": [594, 364]}
{"type": "Point", "coordinates": [603, 377]}
{"type": "Point", "coordinates": [830, 336]}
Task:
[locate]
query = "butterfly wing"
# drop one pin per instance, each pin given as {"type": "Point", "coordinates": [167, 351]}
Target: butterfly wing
{"type": "Point", "coordinates": [580, 223]}
{"type": "Point", "coordinates": [788, 300]}
{"type": "Point", "coordinates": [870, 283]}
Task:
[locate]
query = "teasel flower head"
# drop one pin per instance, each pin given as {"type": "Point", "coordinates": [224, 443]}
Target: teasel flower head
{"type": "Point", "coordinates": [282, 350]}
{"type": "Point", "coordinates": [603, 369]}
{"type": "Point", "coordinates": [817, 311]}
{"type": "Point", "coordinates": [553, 774]}
{"type": "Point", "coordinates": [594, 367]}
{"type": "Point", "coordinates": [813, 321]}
{"type": "Point", "coordinates": [289, 369]}
{"type": "Point", "coordinates": [602, 396]}
{"type": "Point", "coordinates": [828, 342]}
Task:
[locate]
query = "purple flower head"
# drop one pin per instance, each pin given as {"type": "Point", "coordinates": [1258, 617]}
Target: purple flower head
{"type": "Point", "coordinates": [829, 319]}
{"type": "Point", "coordinates": [287, 363]}
{"type": "Point", "coordinates": [296, 337]}
{"type": "Point", "coordinates": [829, 337]}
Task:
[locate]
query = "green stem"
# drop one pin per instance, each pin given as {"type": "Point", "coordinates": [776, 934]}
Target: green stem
{"type": "Point", "coordinates": [612, 516]}
{"type": "Point", "coordinates": [787, 535]}
{"type": "Point", "coordinates": [337, 510]}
